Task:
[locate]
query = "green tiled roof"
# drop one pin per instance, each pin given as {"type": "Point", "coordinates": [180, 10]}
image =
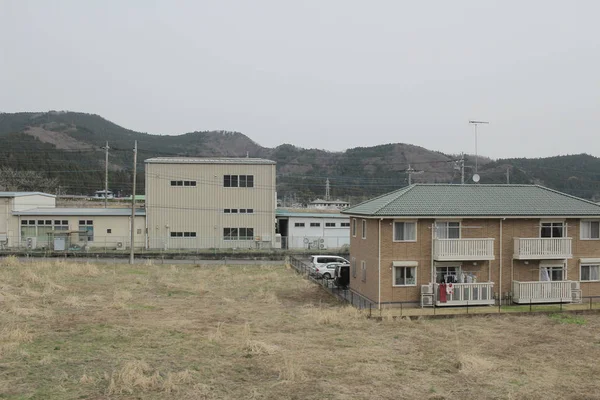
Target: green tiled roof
{"type": "Point", "coordinates": [436, 200]}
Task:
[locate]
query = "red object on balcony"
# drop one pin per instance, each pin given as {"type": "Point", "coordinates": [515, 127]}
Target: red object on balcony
{"type": "Point", "coordinates": [442, 292]}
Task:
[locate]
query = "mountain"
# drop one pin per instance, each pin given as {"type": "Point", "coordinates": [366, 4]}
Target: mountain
{"type": "Point", "coordinates": [67, 146]}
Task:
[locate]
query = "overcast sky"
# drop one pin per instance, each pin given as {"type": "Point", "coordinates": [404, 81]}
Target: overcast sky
{"type": "Point", "coordinates": [330, 74]}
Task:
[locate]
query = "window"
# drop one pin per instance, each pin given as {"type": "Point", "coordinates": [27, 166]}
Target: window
{"type": "Point", "coordinates": [246, 233]}
{"type": "Point", "coordinates": [364, 229]}
{"type": "Point", "coordinates": [353, 263]}
{"type": "Point", "coordinates": [242, 211]}
{"type": "Point", "coordinates": [447, 274]}
{"type": "Point", "coordinates": [405, 276]}
{"type": "Point", "coordinates": [329, 224]}
{"type": "Point", "coordinates": [227, 211]}
{"type": "Point", "coordinates": [183, 183]}
{"type": "Point", "coordinates": [552, 230]}
{"type": "Point", "coordinates": [590, 272]}
{"type": "Point", "coordinates": [62, 225]}
{"type": "Point", "coordinates": [88, 227]}
{"type": "Point", "coordinates": [405, 231]}
{"type": "Point", "coordinates": [234, 210]}
{"type": "Point", "coordinates": [447, 230]}
{"type": "Point", "coordinates": [590, 230]}
{"type": "Point", "coordinates": [249, 210]}
{"type": "Point", "coordinates": [354, 227]}
{"type": "Point", "coordinates": [238, 233]}
{"type": "Point", "coordinates": [181, 234]}
{"type": "Point", "coordinates": [363, 268]}
{"type": "Point", "coordinates": [238, 180]}
{"type": "Point", "coordinates": [345, 224]}
{"type": "Point", "coordinates": [109, 231]}
{"type": "Point", "coordinates": [315, 224]}
{"type": "Point", "coordinates": [552, 273]}
{"type": "Point", "coordinates": [299, 224]}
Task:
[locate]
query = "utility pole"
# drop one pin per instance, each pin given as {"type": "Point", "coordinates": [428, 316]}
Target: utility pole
{"type": "Point", "coordinates": [106, 176]}
{"type": "Point", "coordinates": [131, 256]}
{"type": "Point", "coordinates": [327, 189]}
{"type": "Point", "coordinates": [410, 171]}
{"type": "Point", "coordinates": [462, 168]}
{"type": "Point", "coordinates": [508, 175]}
{"type": "Point", "coordinates": [476, 123]}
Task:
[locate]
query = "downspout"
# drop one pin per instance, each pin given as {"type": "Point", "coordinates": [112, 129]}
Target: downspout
{"type": "Point", "coordinates": [379, 264]}
{"type": "Point", "coordinates": [432, 267]}
{"type": "Point", "coordinates": [500, 276]}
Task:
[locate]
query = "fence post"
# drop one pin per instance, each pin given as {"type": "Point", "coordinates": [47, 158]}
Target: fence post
{"type": "Point", "coordinates": [561, 309]}
{"type": "Point", "coordinates": [370, 309]}
{"type": "Point", "coordinates": [530, 305]}
{"type": "Point", "coordinates": [401, 309]}
{"type": "Point", "coordinates": [590, 303]}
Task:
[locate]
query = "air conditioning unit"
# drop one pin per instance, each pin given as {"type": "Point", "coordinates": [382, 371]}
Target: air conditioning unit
{"type": "Point", "coordinates": [427, 301]}
{"type": "Point", "coordinates": [265, 238]}
{"type": "Point", "coordinates": [426, 289]}
{"type": "Point", "coordinates": [277, 244]}
{"type": "Point", "coordinates": [31, 242]}
{"type": "Point", "coordinates": [575, 285]}
{"type": "Point", "coordinates": [119, 245]}
{"type": "Point", "coordinates": [576, 296]}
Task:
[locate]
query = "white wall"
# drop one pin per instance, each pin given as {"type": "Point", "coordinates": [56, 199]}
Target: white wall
{"type": "Point", "coordinates": [332, 237]}
{"type": "Point", "coordinates": [21, 203]}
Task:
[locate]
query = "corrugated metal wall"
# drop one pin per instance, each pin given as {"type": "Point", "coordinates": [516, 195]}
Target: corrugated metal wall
{"type": "Point", "coordinates": [200, 208]}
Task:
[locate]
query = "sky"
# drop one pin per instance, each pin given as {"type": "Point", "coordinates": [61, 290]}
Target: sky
{"type": "Point", "coordinates": [329, 74]}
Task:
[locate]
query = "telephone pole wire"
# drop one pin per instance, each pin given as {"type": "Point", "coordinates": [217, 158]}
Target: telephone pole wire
{"type": "Point", "coordinates": [106, 176]}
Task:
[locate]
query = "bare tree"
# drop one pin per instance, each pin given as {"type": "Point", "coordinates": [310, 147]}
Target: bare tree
{"type": "Point", "coordinates": [26, 181]}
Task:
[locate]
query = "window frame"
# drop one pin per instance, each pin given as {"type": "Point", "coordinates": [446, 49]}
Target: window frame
{"type": "Point", "coordinates": [589, 221]}
{"type": "Point", "coordinates": [363, 271]}
{"type": "Point", "coordinates": [404, 222]}
{"type": "Point", "coordinates": [552, 267]}
{"type": "Point", "coordinates": [315, 224]}
{"type": "Point", "coordinates": [552, 222]}
{"type": "Point", "coordinates": [363, 226]}
{"type": "Point", "coordinates": [353, 228]}
{"type": "Point", "coordinates": [344, 224]}
{"type": "Point", "coordinates": [87, 224]}
{"type": "Point", "coordinates": [589, 265]}
{"type": "Point", "coordinates": [330, 225]}
{"type": "Point", "coordinates": [394, 284]}
{"type": "Point", "coordinates": [353, 266]}
{"type": "Point", "coordinates": [299, 225]}
{"type": "Point", "coordinates": [448, 221]}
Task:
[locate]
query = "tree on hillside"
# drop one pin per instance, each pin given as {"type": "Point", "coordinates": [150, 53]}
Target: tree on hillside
{"type": "Point", "coordinates": [26, 181]}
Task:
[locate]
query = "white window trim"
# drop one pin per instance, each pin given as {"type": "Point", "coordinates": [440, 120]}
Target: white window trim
{"type": "Point", "coordinates": [363, 228]}
{"type": "Point", "coordinates": [450, 220]}
{"type": "Point", "coordinates": [581, 230]}
{"type": "Point", "coordinates": [562, 266]}
{"type": "Point", "coordinates": [405, 221]}
{"type": "Point", "coordinates": [406, 264]}
{"type": "Point", "coordinates": [363, 271]}
{"type": "Point", "coordinates": [585, 262]}
{"type": "Point", "coordinates": [553, 221]}
{"type": "Point", "coordinates": [353, 227]}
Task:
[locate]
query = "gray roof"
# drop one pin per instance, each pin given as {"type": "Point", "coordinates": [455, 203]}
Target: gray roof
{"type": "Point", "coordinates": [282, 213]}
{"type": "Point", "coordinates": [211, 160]}
{"type": "Point", "coordinates": [437, 200]}
{"type": "Point", "coordinates": [84, 212]}
{"type": "Point", "coordinates": [21, 194]}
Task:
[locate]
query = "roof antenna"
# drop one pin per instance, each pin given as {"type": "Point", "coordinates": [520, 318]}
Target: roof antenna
{"type": "Point", "coordinates": [247, 154]}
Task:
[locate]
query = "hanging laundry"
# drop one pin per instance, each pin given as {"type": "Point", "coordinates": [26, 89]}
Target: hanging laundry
{"type": "Point", "coordinates": [442, 292]}
{"type": "Point", "coordinates": [450, 288]}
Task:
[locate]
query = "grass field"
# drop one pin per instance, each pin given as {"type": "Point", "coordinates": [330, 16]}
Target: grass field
{"type": "Point", "coordinates": [99, 331]}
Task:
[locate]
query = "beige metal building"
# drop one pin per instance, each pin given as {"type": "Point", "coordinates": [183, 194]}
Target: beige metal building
{"type": "Point", "coordinates": [11, 202]}
{"type": "Point", "coordinates": [194, 203]}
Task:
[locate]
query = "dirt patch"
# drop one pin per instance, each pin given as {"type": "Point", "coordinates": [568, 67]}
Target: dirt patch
{"type": "Point", "coordinates": [59, 139]}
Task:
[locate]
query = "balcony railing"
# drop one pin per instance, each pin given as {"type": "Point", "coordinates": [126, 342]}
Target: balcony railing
{"type": "Point", "coordinates": [543, 292]}
{"type": "Point", "coordinates": [481, 293]}
{"type": "Point", "coordinates": [463, 249]}
{"type": "Point", "coordinates": [542, 248]}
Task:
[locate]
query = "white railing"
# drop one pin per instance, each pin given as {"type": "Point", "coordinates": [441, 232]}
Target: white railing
{"type": "Point", "coordinates": [542, 292]}
{"type": "Point", "coordinates": [463, 249]}
{"type": "Point", "coordinates": [542, 248]}
{"type": "Point", "coordinates": [481, 293]}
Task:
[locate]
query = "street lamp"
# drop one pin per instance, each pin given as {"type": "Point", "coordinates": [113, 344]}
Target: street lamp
{"type": "Point", "coordinates": [476, 123]}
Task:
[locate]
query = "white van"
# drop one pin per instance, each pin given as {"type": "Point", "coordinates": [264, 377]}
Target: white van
{"type": "Point", "coordinates": [316, 261]}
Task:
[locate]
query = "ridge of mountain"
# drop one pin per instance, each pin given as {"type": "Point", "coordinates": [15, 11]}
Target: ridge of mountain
{"type": "Point", "coordinates": [68, 146]}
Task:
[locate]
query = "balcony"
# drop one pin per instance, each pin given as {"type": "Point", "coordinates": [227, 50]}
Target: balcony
{"type": "Point", "coordinates": [543, 292]}
{"type": "Point", "coordinates": [542, 248]}
{"type": "Point", "coordinates": [463, 249]}
{"type": "Point", "coordinates": [471, 294]}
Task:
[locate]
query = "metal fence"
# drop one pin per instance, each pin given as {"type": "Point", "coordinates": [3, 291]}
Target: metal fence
{"type": "Point", "coordinates": [412, 309]}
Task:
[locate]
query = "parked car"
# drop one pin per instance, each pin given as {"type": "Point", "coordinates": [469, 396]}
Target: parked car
{"type": "Point", "coordinates": [327, 271]}
{"type": "Point", "coordinates": [316, 261]}
{"type": "Point", "coordinates": [341, 277]}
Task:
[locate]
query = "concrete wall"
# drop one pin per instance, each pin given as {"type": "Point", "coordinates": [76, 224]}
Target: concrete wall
{"type": "Point", "coordinates": [200, 208]}
{"type": "Point", "coordinates": [21, 203]}
{"type": "Point", "coordinates": [333, 237]}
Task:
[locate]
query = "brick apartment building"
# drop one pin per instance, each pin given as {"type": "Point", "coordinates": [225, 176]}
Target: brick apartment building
{"type": "Point", "coordinates": [473, 244]}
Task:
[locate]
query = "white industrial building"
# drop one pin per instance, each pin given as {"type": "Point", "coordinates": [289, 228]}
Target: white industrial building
{"type": "Point", "coordinates": [308, 229]}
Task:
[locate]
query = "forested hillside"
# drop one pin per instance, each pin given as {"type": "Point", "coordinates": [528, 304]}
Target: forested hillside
{"type": "Point", "coordinates": [66, 147]}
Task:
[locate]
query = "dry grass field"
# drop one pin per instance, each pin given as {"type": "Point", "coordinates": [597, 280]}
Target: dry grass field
{"type": "Point", "coordinates": [102, 331]}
